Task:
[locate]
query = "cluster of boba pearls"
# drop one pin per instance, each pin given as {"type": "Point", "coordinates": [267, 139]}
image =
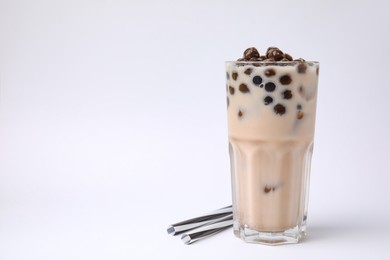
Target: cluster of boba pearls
{"type": "Point", "coordinates": [273, 56]}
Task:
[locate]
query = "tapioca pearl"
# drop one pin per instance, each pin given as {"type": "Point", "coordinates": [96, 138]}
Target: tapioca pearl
{"type": "Point", "coordinates": [240, 114]}
{"type": "Point", "coordinates": [269, 87]}
{"type": "Point", "coordinates": [287, 94]}
{"type": "Point", "coordinates": [301, 68]}
{"type": "Point", "coordinates": [275, 53]}
{"type": "Point", "coordinates": [299, 107]}
{"type": "Point", "coordinates": [231, 90]}
{"type": "Point", "coordinates": [268, 100]}
{"type": "Point", "coordinates": [285, 79]}
{"type": "Point", "coordinates": [288, 57]}
{"type": "Point", "coordinates": [257, 80]}
{"type": "Point", "coordinates": [235, 75]}
{"type": "Point", "coordinates": [317, 70]}
{"type": "Point", "coordinates": [279, 109]}
{"type": "Point", "coordinates": [243, 88]}
{"type": "Point", "coordinates": [269, 188]}
{"type": "Point", "coordinates": [269, 72]}
{"type": "Point", "coordinates": [301, 91]}
{"type": "Point", "coordinates": [251, 53]}
{"type": "Point", "coordinates": [248, 71]}
{"type": "Point", "coordinates": [300, 115]}
{"type": "Point", "coordinates": [268, 53]}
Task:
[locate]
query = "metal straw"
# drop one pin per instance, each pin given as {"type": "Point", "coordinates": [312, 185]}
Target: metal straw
{"type": "Point", "coordinates": [207, 219]}
{"type": "Point", "coordinates": [206, 231]}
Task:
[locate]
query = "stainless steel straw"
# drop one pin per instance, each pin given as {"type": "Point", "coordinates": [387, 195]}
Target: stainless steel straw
{"type": "Point", "coordinates": [207, 219]}
{"type": "Point", "coordinates": [207, 230]}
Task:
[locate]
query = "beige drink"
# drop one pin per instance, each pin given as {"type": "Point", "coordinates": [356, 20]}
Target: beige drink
{"type": "Point", "coordinates": [271, 118]}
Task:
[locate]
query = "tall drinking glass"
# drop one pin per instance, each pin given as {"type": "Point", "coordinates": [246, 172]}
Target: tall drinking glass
{"type": "Point", "coordinates": [271, 119]}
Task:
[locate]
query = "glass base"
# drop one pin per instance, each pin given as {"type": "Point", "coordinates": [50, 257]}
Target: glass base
{"type": "Point", "coordinates": [290, 236]}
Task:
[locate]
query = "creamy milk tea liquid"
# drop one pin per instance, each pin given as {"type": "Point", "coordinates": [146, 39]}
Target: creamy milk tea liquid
{"type": "Point", "coordinates": [271, 117]}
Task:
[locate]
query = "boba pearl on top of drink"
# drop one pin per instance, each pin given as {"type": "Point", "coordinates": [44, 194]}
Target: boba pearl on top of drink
{"type": "Point", "coordinates": [287, 91]}
{"type": "Point", "coordinates": [271, 107]}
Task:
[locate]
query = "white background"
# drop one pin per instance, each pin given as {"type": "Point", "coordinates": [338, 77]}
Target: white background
{"type": "Point", "coordinates": [113, 125]}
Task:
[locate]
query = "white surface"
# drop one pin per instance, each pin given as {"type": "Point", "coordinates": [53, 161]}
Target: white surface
{"type": "Point", "coordinates": [113, 125]}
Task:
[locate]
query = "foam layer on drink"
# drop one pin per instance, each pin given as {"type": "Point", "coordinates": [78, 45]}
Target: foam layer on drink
{"type": "Point", "coordinates": [271, 117]}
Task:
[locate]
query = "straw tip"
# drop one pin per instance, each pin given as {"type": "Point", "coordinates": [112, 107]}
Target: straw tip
{"type": "Point", "coordinates": [186, 239]}
{"type": "Point", "coordinates": [171, 230]}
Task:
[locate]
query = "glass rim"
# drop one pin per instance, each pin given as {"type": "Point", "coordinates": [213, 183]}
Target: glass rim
{"type": "Point", "coordinates": [272, 62]}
